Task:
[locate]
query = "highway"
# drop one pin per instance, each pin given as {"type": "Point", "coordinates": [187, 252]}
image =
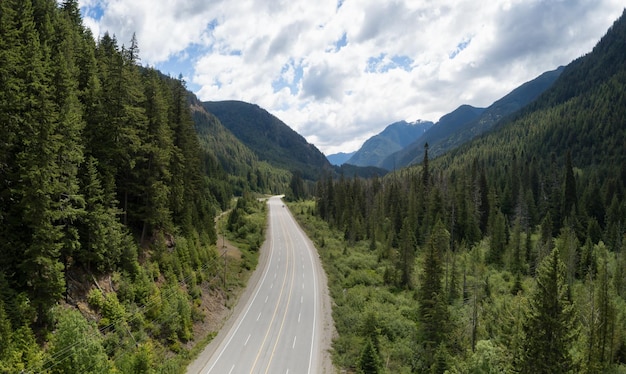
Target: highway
{"type": "Point", "coordinates": [280, 328]}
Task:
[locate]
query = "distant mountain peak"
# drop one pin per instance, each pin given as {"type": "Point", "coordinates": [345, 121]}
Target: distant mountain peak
{"type": "Point", "coordinates": [392, 139]}
{"type": "Point", "coordinates": [340, 158]}
{"type": "Point", "coordinates": [466, 122]}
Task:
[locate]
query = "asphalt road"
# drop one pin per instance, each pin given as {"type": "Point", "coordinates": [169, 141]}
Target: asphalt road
{"type": "Point", "coordinates": [279, 330]}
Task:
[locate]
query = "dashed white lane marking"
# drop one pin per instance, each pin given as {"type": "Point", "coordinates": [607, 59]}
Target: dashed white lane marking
{"type": "Point", "coordinates": [259, 316]}
{"type": "Point", "coordinates": [294, 342]}
{"type": "Point", "coordinates": [246, 343]}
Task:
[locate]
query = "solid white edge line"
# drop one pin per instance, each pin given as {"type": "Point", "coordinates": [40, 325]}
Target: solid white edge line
{"type": "Point", "coordinates": [243, 317]}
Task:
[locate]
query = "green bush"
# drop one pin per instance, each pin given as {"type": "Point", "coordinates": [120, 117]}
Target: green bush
{"type": "Point", "coordinates": [95, 299]}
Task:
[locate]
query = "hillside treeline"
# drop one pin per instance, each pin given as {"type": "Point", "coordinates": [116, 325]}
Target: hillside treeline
{"type": "Point", "coordinates": [101, 178]}
{"type": "Point", "coordinates": [484, 278]}
{"type": "Point", "coordinates": [505, 255]}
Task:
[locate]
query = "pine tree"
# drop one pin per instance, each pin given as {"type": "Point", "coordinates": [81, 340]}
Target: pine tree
{"type": "Point", "coordinates": [570, 199]}
{"type": "Point", "coordinates": [603, 326]}
{"type": "Point", "coordinates": [155, 212]}
{"type": "Point", "coordinates": [103, 237]}
{"type": "Point", "coordinates": [10, 105]}
{"type": "Point", "coordinates": [497, 242]}
{"type": "Point", "coordinates": [406, 258]}
{"type": "Point", "coordinates": [433, 314]}
{"type": "Point", "coordinates": [549, 324]}
{"type": "Point", "coordinates": [41, 195]}
{"type": "Point", "coordinates": [484, 208]}
{"type": "Point", "coordinates": [369, 362]}
{"type": "Point", "coordinates": [371, 330]}
{"type": "Point", "coordinates": [70, 127]}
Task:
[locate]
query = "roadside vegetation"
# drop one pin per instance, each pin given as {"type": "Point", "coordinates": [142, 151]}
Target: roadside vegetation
{"type": "Point", "coordinates": [460, 313]}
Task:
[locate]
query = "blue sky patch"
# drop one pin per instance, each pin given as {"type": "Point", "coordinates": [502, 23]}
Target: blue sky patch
{"type": "Point", "coordinates": [281, 82]}
{"type": "Point", "coordinates": [341, 42]}
{"type": "Point", "coordinates": [460, 47]}
{"type": "Point", "coordinates": [96, 12]}
{"type": "Point", "coordinates": [382, 63]}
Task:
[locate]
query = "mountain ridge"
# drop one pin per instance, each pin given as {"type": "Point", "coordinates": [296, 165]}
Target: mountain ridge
{"type": "Point", "coordinates": [339, 158]}
{"type": "Point", "coordinates": [393, 138]}
{"type": "Point", "coordinates": [454, 129]}
{"type": "Point", "coordinates": [268, 137]}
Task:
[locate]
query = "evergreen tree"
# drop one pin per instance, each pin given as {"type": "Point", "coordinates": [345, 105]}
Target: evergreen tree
{"type": "Point", "coordinates": [369, 362]}
{"type": "Point", "coordinates": [433, 314]}
{"type": "Point", "coordinates": [103, 237]}
{"type": "Point", "coordinates": [371, 330]}
{"type": "Point", "coordinates": [297, 186]}
{"type": "Point", "coordinates": [602, 327]}
{"type": "Point", "coordinates": [549, 324]}
{"type": "Point", "coordinates": [41, 196]}
{"type": "Point", "coordinates": [570, 198]}
{"type": "Point", "coordinates": [406, 258]}
{"type": "Point", "coordinates": [497, 242]}
{"type": "Point", "coordinates": [484, 208]}
{"type": "Point", "coordinates": [154, 211]}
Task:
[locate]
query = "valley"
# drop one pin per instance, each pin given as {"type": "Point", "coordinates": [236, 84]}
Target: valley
{"type": "Point", "coordinates": [453, 246]}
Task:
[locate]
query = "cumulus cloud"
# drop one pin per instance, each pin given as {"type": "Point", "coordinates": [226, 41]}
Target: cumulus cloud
{"type": "Point", "coordinates": [340, 71]}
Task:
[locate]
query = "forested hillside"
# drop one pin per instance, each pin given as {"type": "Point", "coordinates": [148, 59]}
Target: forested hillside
{"type": "Point", "coordinates": [238, 166]}
{"type": "Point", "coordinates": [107, 201]}
{"type": "Point", "coordinates": [270, 139]}
{"type": "Point", "coordinates": [506, 255]}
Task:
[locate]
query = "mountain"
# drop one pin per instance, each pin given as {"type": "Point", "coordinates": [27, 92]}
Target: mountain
{"type": "Point", "coordinates": [269, 138]}
{"type": "Point", "coordinates": [466, 122]}
{"type": "Point", "coordinates": [340, 158]}
{"type": "Point", "coordinates": [580, 118]}
{"type": "Point", "coordinates": [234, 157]}
{"type": "Point", "coordinates": [392, 139]}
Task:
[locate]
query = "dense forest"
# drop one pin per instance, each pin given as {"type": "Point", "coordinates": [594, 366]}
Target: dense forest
{"type": "Point", "coordinates": [107, 201]}
{"type": "Point", "coordinates": [505, 255]}
{"type": "Point", "coordinates": [271, 139]}
{"type": "Point", "coordinates": [234, 161]}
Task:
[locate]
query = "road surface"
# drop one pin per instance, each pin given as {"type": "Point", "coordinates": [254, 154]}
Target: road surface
{"type": "Point", "coordinates": [283, 325]}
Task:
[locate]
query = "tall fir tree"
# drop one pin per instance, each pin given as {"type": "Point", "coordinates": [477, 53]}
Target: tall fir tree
{"type": "Point", "coordinates": [41, 194]}
{"type": "Point", "coordinates": [406, 254]}
{"type": "Point", "coordinates": [570, 198]}
{"type": "Point", "coordinates": [549, 324]}
{"type": "Point", "coordinates": [433, 314]}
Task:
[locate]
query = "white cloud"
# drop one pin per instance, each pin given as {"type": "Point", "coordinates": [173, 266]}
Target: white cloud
{"type": "Point", "coordinates": [339, 72]}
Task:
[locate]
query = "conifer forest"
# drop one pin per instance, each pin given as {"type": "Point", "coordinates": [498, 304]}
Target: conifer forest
{"type": "Point", "coordinates": [505, 255]}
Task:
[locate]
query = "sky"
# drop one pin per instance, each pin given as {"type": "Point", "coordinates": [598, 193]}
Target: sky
{"type": "Point", "coordinates": [340, 71]}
